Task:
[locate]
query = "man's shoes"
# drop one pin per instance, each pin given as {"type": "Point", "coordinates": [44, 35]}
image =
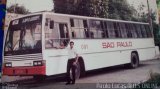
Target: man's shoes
{"type": "Point", "coordinates": [68, 83]}
{"type": "Point", "coordinates": [73, 83]}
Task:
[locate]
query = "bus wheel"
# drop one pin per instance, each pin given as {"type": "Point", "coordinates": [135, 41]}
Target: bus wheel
{"type": "Point", "coordinates": [39, 78]}
{"type": "Point", "coordinates": [77, 71]}
{"type": "Point", "coordinates": [134, 60]}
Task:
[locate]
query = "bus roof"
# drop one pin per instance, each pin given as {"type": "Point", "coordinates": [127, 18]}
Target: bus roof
{"type": "Point", "coordinates": [82, 17]}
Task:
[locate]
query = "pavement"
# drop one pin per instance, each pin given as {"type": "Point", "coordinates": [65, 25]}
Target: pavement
{"type": "Point", "coordinates": [93, 79]}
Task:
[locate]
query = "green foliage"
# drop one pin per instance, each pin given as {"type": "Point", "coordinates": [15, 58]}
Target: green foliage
{"type": "Point", "coordinates": [158, 2]}
{"type": "Point", "coordinates": [156, 32]}
{"type": "Point", "coordinates": [145, 17]}
{"type": "Point", "coordinates": [156, 29]}
{"type": "Point", "coordinates": [113, 9]}
{"type": "Point", "coordinates": [15, 8]}
{"type": "Point", "coordinates": [95, 8]}
{"type": "Point", "coordinates": [120, 9]}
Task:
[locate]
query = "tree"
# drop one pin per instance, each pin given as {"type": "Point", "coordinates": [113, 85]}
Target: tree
{"type": "Point", "coordinates": [114, 9]}
{"type": "Point", "coordinates": [156, 27]}
{"type": "Point", "coordinates": [158, 2]}
{"type": "Point", "coordinates": [15, 8]}
{"type": "Point", "coordinates": [120, 9]}
{"type": "Point", "coordinates": [96, 8]}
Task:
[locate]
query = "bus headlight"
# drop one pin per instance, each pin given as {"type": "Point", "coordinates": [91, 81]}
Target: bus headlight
{"type": "Point", "coordinates": [9, 64]}
{"type": "Point", "coordinates": [38, 63]}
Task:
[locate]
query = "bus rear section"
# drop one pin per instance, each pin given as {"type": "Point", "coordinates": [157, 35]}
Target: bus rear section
{"type": "Point", "coordinates": [23, 47]}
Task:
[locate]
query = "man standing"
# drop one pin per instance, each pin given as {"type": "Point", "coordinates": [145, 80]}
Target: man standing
{"type": "Point", "coordinates": [72, 62]}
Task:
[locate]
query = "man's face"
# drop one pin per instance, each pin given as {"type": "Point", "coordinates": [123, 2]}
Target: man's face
{"type": "Point", "coordinates": [71, 45]}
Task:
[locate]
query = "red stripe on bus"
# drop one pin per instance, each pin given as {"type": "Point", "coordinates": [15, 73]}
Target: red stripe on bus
{"type": "Point", "coordinates": [25, 71]}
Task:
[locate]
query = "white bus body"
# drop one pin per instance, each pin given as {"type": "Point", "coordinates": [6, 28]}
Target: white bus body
{"type": "Point", "coordinates": [97, 48]}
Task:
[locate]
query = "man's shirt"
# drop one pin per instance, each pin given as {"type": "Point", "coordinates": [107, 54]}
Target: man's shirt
{"type": "Point", "coordinates": [72, 53]}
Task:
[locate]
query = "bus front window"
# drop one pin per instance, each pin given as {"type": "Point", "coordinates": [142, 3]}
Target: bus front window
{"type": "Point", "coordinates": [24, 37]}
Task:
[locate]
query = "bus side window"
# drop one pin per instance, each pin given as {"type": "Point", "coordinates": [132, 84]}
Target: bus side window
{"type": "Point", "coordinates": [106, 29]}
{"type": "Point", "coordinates": [116, 29]}
{"type": "Point", "coordinates": [143, 30]}
{"type": "Point", "coordinates": [93, 29]}
{"type": "Point", "coordinates": [72, 22]}
{"type": "Point", "coordinates": [77, 28]}
{"type": "Point", "coordinates": [52, 36]}
{"type": "Point", "coordinates": [73, 33]}
{"type": "Point", "coordinates": [119, 30]}
{"type": "Point", "coordinates": [99, 29]}
{"type": "Point", "coordinates": [63, 30]}
{"type": "Point", "coordinates": [103, 29]}
{"type": "Point", "coordinates": [123, 30]}
{"type": "Point", "coordinates": [111, 31]}
{"type": "Point", "coordinates": [47, 22]}
{"type": "Point", "coordinates": [72, 28]}
{"type": "Point", "coordinates": [148, 30]}
{"type": "Point", "coordinates": [138, 29]}
{"type": "Point", "coordinates": [86, 29]}
{"type": "Point", "coordinates": [82, 29]}
{"type": "Point", "coordinates": [92, 35]}
{"type": "Point", "coordinates": [51, 24]}
{"type": "Point", "coordinates": [129, 34]}
{"type": "Point", "coordinates": [64, 34]}
{"type": "Point", "coordinates": [133, 31]}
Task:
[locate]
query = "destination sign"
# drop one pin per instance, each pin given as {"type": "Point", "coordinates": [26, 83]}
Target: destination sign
{"type": "Point", "coordinates": [27, 19]}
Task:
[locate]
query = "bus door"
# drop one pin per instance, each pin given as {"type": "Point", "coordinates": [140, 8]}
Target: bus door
{"type": "Point", "coordinates": [64, 34]}
{"type": "Point", "coordinates": [56, 35]}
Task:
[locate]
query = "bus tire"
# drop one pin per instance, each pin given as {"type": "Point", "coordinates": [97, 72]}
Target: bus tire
{"type": "Point", "coordinates": [82, 67]}
{"type": "Point", "coordinates": [134, 60]}
{"type": "Point", "coordinates": [78, 70]}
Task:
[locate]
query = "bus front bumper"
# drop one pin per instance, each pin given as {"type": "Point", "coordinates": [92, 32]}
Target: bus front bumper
{"type": "Point", "coordinates": [24, 71]}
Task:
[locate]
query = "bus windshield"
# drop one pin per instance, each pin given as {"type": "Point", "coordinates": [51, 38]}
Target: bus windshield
{"type": "Point", "coordinates": [24, 36]}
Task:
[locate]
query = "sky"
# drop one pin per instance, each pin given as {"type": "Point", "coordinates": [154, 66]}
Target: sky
{"type": "Point", "coordinates": [33, 5]}
{"type": "Point", "coordinates": [136, 3]}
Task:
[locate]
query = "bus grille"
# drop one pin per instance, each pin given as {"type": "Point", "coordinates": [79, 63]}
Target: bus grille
{"type": "Point", "coordinates": [24, 57]}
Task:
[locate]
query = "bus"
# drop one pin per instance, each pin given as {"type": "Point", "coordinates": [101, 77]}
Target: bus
{"type": "Point", "coordinates": [32, 45]}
